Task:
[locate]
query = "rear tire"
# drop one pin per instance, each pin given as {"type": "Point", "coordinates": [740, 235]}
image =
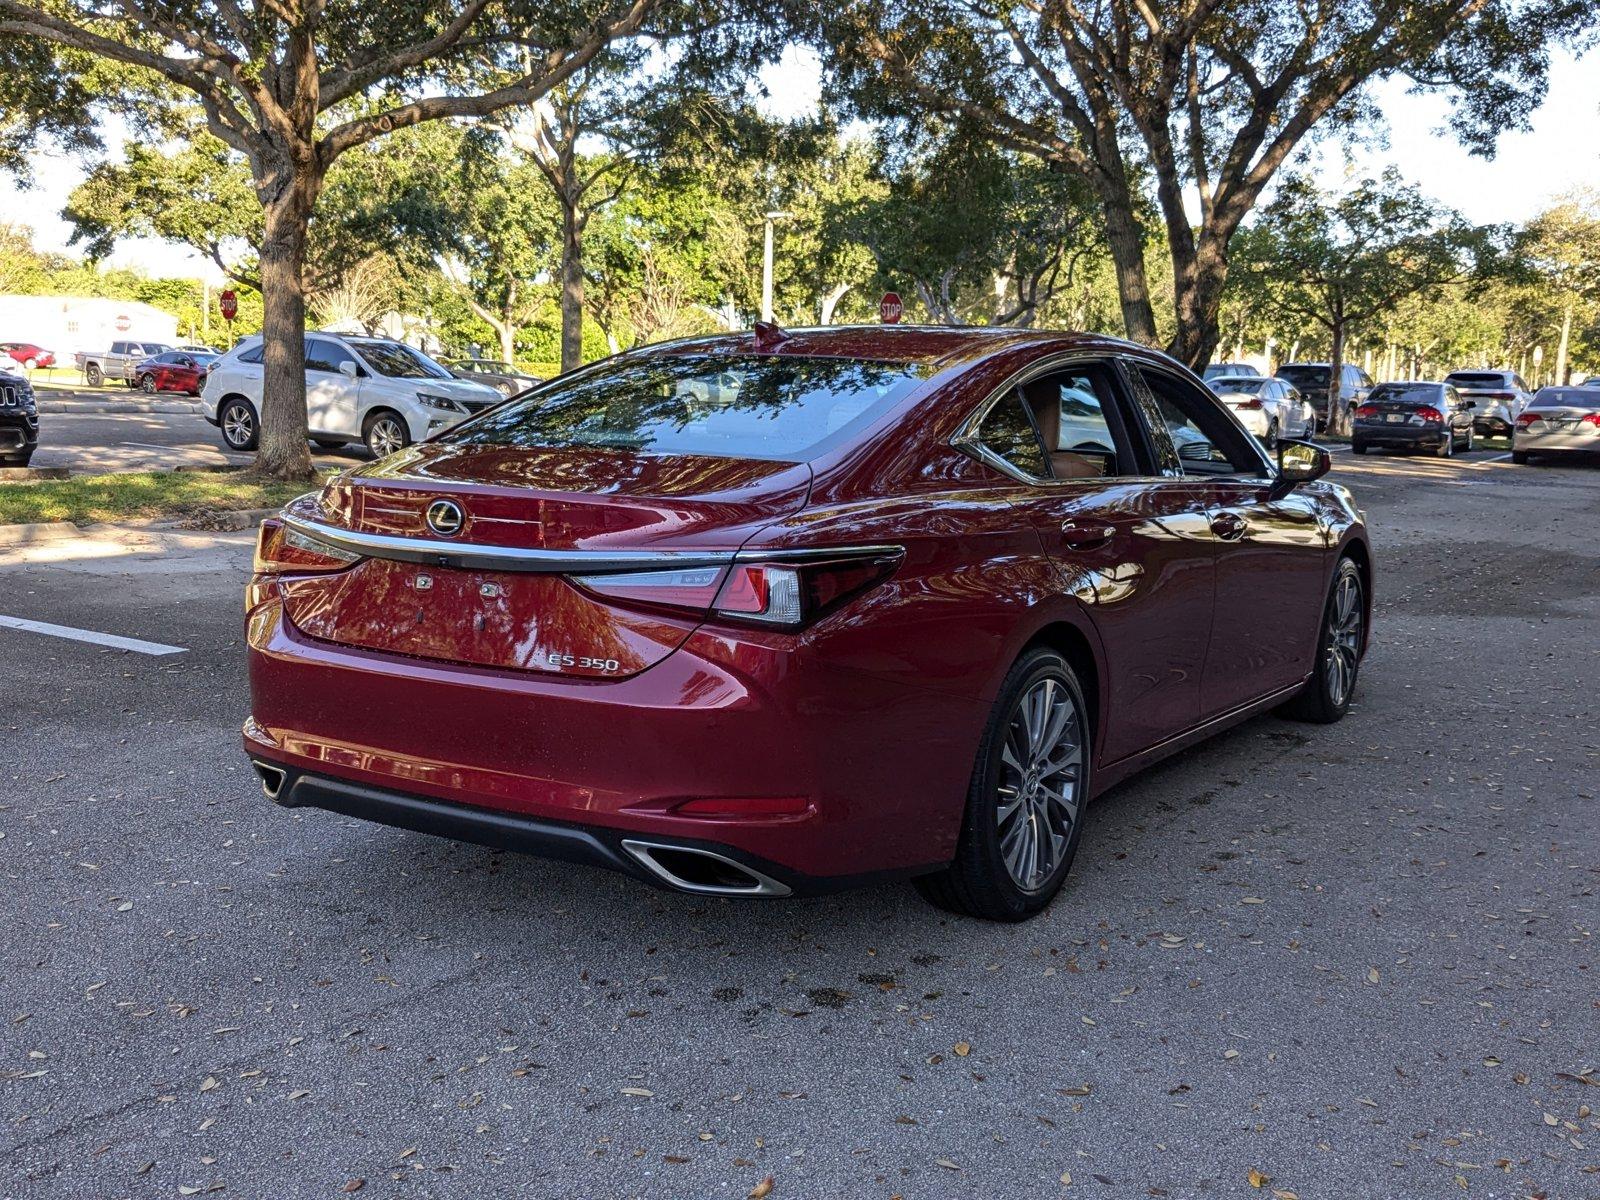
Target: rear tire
{"type": "Point", "coordinates": [1447, 448]}
{"type": "Point", "coordinates": [1024, 814]}
{"type": "Point", "coordinates": [1520, 457]}
{"type": "Point", "coordinates": [92, 376]}
{"type": "Point", "coordinates": [147, 383]}
{"type": "Point", "coordinates": [1325, 698]}
{"type": "Point", "coordinates": [1358, 447]}
{"type": "Point", "coordinates": [241, 428]}
{"type": "Point", "coordinates": [16, 460]}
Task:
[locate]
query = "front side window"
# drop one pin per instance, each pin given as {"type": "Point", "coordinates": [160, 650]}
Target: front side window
{"type": "Point", "coordinates": [1207, 440]}
{"type": "Point", "coordinates": [1080, 428]}
{"type": "Point", "coordinates": [399, 361]}
{"type": "Point", "coordinates": [783, 407]}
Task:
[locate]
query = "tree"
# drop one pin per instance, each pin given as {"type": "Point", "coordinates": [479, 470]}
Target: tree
{"type": "Point", "coordinates": [1342, 261]}
{"type": "Point", "coordinates": [1197, 97]}
{"type": "Point", "coordinates": [294, 84]}
{"type": "Point", "coordinates": [1563, 246]}
{"type": "Point", "coordinates": [983, 234]}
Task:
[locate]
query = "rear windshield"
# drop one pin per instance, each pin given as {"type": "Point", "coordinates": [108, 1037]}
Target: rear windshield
{"type": "Point", "coordinates": [1247, 387]}
{"type": "Point", "coordinates": [1405, 393]}
{"type": "Point", "coordinates": [724, 405]}
{"type": "Point", "coordinates": [1476, 379]}
{"type": "Point", "coordinates": [1558, 397]}
{"type": "Point", "coordinates": [1307, 378]}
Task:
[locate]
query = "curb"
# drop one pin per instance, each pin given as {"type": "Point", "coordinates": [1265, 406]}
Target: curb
{"type": "Point", "coordinates": [37, 531]}
{"type": "Point", "coordinates": [191, 408]}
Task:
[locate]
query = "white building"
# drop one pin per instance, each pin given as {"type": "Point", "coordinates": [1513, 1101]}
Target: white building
{"type": "Point", "coordinates": [67, 324]}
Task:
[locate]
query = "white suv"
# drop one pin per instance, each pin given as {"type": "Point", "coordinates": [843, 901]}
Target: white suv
{"type": "Point", "coordinates": [374, 390]}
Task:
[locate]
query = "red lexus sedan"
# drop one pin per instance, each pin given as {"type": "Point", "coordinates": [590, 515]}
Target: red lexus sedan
{"type": "Point", "coordinates": [784, 612]}
{"type": "Point", "coordinates": [28, 355]}
{"type": "Point", "coordinates": [175, 371]}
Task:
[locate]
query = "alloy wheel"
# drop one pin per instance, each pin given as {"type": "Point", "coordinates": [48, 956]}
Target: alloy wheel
{"type": "Point", "coordinates": [385, 437]}
{"type": "Point", "coordinates": [1036, 801]}
{"type": "Point", "coordinates": [1343, 648]}
{"type": "Point", "coordinates": [147, 383]}
{"type": "Point", "coordinates": [238, 426]}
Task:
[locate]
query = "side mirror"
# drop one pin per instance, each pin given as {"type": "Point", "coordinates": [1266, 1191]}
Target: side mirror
{"type": "Point", "coordinates": [348, 369]}
{"type": "Point", "coordinates": [1298, 462]}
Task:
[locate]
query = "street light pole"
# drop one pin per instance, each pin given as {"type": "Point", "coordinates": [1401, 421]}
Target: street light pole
{"type": "Point", "coordinates": [766, 265]}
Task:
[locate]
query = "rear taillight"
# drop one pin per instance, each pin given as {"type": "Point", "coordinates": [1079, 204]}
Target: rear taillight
{"type": "Point", "coordinates": [281, 550]}
{"type": "Point", "coordinates": [1253, 403]}
{"type": "Point", "coordinates": [1498, 395]}
{"type": "Point", "coordinates": [1430, 415]}
{"type": "Point", "coordinates": [1367, 410]}
{"type": "Point", "coordinates": [1592, 419]}
{"type": "Point", "coordinates": [1526, 419]}
{"type": "Point", "coordinates": [781, 594]}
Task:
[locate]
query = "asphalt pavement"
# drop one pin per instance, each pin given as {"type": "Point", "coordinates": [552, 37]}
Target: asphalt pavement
{"type": "Point", "coordinates": [1345, 962]}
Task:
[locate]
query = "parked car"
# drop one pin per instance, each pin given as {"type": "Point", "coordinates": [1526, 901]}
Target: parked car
{"type": "Point", "coordinates": [374, 390]}
{"type": "Point", "coordinates": [1413, 416]}
{"type": "Point", "coordinates": [502, 376]}
{"type": "Point", "coordinates": [758, 615]}
{"type": "Point", "coordinates": [1313, 379]}
{"type": "Point", "coordinates": [1231, 370]}
{"type": "Point", "coordinates": [174, 371]}
{"type": "Point", "coordinates": [1496, 399]}
{"type": "Point", "coordinates": [1593, 381]}
{"type": "Point", "coordinates": [1558, 420]}
{"type": "Point", "coordinates": [119, 364]}
{"type": "Point", "coordinates": [1268, 408]}
{"type": "Point", "coordinates": [28, 355]}
{"type": "Point", "coordinates": [196, 348]}
{"type": "Point", "coordinates": [19, 420]}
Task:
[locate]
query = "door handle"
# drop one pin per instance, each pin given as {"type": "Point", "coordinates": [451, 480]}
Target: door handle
{"type": "Point", "coordinates": [1229, 526]}
{"type": "Point", "coordinates": [1085, 537]}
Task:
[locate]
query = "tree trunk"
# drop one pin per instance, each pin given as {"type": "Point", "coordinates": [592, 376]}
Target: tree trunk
{"type": "Point", "coordinates": [831, 301]}
{"type": "Point", "coordinates": [571, 285]}
{"type": "Point", "coordinates": [283, 452]}
{"type": "Point", "coordinates": [1337, 422]}
{"type": "Point", "coordinates": [1198, 281]}
{"type": "Point", "coordinates": [1126, 244]}
{"type": "Point", "coordinates": [1562, 375]}
{"type": "Point", "coordinates": [508, 340]}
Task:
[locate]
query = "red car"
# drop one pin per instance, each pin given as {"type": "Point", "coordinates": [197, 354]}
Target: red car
{"type": "Point", "coordinates": [174, 371]}
{"type": "Point", "coordinates": [754, 615]}
{"type": "Point", "coordinates": [28, 355]}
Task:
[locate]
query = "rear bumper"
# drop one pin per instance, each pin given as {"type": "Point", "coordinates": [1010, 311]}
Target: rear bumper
{"type": "Point", "coordinates": [1400, 435]}
{"type": "Point", "coordinates": [872, 774]}
{"type": "Point", "coordinates": [698, 866]}
{"type": "Point", "coordinates": [1578, 440]}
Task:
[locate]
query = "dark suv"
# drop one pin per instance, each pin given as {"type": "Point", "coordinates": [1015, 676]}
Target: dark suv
{"type": "Point", "coordinates": [19, 421]}
{"type": "Point", "coordinates": [1312, 380]}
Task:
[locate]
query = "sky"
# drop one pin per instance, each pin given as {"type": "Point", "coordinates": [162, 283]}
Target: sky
{"type": "Point", "coordinates": [1559, 152]}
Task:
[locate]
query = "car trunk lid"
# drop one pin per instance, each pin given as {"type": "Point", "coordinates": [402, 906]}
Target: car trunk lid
{"type": "Point", "coordinates": [498, 590]}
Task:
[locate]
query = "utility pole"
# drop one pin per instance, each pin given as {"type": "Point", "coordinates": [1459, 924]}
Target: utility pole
{"type": "Point", "coordinates": [766, 265]}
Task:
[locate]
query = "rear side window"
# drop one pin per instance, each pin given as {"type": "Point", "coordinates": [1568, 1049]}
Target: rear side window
{"type": "Point", "coordinates": [724, 405]}
{"type": "Point", "coordinates": [252, 355]}
{"type": "Point", "coordinates": [1008, 431]}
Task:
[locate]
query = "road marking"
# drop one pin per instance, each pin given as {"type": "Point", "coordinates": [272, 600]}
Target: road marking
{"type": "Point", "coordinates": [1496, 458]}
{"type": "Point", "coordinates": [88, 635]}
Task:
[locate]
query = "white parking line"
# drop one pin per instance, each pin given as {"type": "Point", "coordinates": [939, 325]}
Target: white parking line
{"type": "Point", "coordinates": [89, 635]}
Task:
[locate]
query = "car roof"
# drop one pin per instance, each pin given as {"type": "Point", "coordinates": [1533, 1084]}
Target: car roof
{"type": "Point", "coordinates": [927, 345]}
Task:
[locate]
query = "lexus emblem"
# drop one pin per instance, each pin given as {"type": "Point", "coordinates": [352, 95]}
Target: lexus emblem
{"type": "Point", "coordinates": [444, 518]}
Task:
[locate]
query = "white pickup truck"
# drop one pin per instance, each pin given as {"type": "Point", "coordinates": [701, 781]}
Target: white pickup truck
{"type": "Point", "coordinates": [119, 364]}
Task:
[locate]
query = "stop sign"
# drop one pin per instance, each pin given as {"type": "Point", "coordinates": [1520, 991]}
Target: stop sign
{"type": "Point", "coordinates": [890, 308]}
{"type": "Point", "coordinates": [124, 323]}
{"type": "Point", "coordinates": [229, 304]}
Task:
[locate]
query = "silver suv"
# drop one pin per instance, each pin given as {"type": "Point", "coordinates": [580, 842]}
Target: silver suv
{"type": "Point", "coordinates": [1496, 399]}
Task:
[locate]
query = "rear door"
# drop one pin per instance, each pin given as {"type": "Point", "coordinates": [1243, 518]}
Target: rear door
{"type": "Point", "coordinates": [1132, 545]}
{"type": "Point", "coordinates": [332, 399]}
{"type": "Point", "coordinates": [1270, 555]}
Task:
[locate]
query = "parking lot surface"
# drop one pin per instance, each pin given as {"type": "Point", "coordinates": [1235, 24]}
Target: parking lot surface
{"type": "Point", "coordinates": [1352, 961]}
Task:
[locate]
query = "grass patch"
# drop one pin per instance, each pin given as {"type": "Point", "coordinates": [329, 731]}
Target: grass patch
{"type": "Point", "coordinates": [140, 494]}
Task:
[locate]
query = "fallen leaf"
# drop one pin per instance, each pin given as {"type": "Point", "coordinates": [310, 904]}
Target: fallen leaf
{"type": "Point", "coordinates": [1230, 1054]}
{"type": "Point", "coordinates": [355, 1185]}
{"type": "Point", "coordinates": [210, 1084]}
{"type": "Point", "coordinates": [962, 1049]}
{"type": "Point", "coordinates": [300, 1095]}
{"type": "Point", "coordinates": [1372, 975]}
{"type": "Point", "coordinates": [1257, 1179]}
{"type": "Point", "coordinates": [947, 1164]}
{"type": "Point", "coordinates": [762, 1189]}
{"type": "Point", "coordinates": [645, 1092]}
{"type": "Point", "coordinates": [1066, 1179]}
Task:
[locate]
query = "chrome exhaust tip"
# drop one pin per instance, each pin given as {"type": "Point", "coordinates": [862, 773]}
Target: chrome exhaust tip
{"type": "Point", "coordinates": [271, 778]}
{"type": "Point", "coordinates": [702, 872]}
